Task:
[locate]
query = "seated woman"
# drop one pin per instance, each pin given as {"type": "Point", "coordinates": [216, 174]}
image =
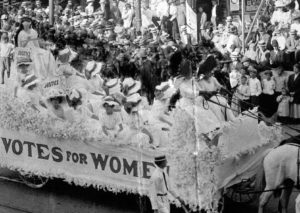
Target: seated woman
{"type": "Point", "coordinates": [209, 86]}
{"type": "Point", "coordinates": [30, 93]}
{"type": "Point", "coordinates": [190, 105]}
{"type": "Point", "coordinates": [137, 131]}
{"type": "Point", "coordinates": [111, 120]}
{"type": "Point", "coordinates": [57, 105]}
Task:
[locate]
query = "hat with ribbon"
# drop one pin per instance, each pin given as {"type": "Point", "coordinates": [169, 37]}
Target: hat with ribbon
{"type": "Point", "coordinates": [93, 67]}
{"type": "Point", "coordinates": [55, 92]}
{"type": "Point", "coordinates": [160, 159]}
{"type": "Point", "coordinates": [110, 101]}
{"type": "Point", "coordinates": [30, 80]}
{"type": "Point", "coordinates": [114, 86]}
{"type": "Point", "coordinates": [134, 88]}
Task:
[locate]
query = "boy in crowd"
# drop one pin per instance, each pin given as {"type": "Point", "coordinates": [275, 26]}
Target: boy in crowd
{"type": "Point", "coordinates": [6, 50]}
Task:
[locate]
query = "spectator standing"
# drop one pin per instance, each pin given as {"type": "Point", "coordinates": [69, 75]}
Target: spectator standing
{"type": "Point", "coordinates": [243, 91]}
{"type": "Point", "coordinates": [255, 88]}
{"type": "Point", "coordinates": [283, 111]}
{"type": "Point", "coordinates": [214, 14]}
{"type": "Point", "coordinates": [262, 55]}
{"type": "Point", "coordinates": [115, 11]}
{"type": "Point", "coordinates": [268, 104]}
{"type": "Point", "coordinates": [280, 39]}
{"type": "Point", "coordinates": [173, 19]}
{"type": "Point", "coordinates": [233, 40]}
{"type": "Point", "coordinates": [89, 10]}
{"type": "Point", "coordinates": [181, 14]}
{"type": "Point", "coordinates": [280, 81]}
{"type": "Point", "coordinates": [127, 16]}
{"type": "Point", "coordinates": [6, 50]}
{"type": "Point", "coordinates": [276, 55]}
{"type": "Point", "coordinates": [294, 90]}
{"type": "Point", "coordinates": [202, 19]}
{"type": "Point", "coordinates": [293, 46]}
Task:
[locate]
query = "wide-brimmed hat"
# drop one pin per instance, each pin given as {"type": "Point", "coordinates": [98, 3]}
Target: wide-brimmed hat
{"type": "Point", "coordinates": [134, 98]}
{"type": "Point", "coordinates": [110, 101]}
{"type": "Point", "coordinates": [64, 56]}
{"type": "Point", "coordinates": [55, 93]}
{"type": "Point", "coordinates": [114, 86]}
{"type": "Point", "coordinates": [128, 82]}
{"type": "Point", "coordinates": [74, 94]}
{"type": "Point", "coordinates": [135, 88]}
{"type": "Point", "coordinates": [29, 81]}
{"type": "Point", "coordinates": [24, 61]}
{"type": "Point", "coordinates": [93, 67]}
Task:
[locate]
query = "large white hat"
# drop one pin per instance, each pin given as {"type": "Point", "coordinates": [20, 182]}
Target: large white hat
{"type": "Point", "coordinates": [134, 98]}
{"type": "Point", "coordinates": [30, 80]}
{"type": "Point", "coordinates": [54, 93]}
{"type": "Point", "coordinates": [74, 94]}
{"type": "Point", "coordinates": [128, 82]}
{"type": "Point", "coordinates": [108, 100]}
{"type": "Point", "coordinates": [93, 67]}
{"type": "Point", "coordinates": [114, 86]}
{"type": "Point", "coordinates": [135, 88]}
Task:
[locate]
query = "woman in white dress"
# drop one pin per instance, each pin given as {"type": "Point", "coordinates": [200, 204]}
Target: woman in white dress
{"type": "Point", "coordinates": [160, 119]}
{"type": "Point", "coordinates": [209, 86]}
{"type": "Point", "coordinates": [191, 103]}
{"type": "Point", "coordinates": [27, 37]}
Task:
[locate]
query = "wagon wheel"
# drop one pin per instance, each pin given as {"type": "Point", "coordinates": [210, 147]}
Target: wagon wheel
{"type": "Point", "coordinates": [241, 192]}
{"type": "Point", "coordinates": [142, 204]}
{"type": "Point", "coordinates": [33, 181]}
{"type": "Point", "coordinates": [221, 206]}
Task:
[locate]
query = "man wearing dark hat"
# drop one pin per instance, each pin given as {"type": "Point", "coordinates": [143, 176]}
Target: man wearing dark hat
{"type": "Point", "coordinates": [160, 187]}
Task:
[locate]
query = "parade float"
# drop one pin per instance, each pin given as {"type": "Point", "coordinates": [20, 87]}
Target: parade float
{"type": "Point", "coordinates": [39, 145]}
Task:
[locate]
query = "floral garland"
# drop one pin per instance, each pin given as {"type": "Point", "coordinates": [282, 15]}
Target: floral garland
{"type": "Point", "coordinates": [16, 115]}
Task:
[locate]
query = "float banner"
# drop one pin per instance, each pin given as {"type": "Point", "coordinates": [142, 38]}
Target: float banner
{"type": "Point", "coordinates": [191, 21]}
{"type": "Point", "coordinates": [85, 164]}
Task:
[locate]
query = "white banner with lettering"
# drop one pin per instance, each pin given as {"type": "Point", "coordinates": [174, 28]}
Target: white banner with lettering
{"type": "Point", "coordinates": [191, 21]}
{"type": "Point", "coordinates": [101, 166]}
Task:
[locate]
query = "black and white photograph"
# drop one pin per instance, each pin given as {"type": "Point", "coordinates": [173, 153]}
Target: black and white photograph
{"type": "Point", "coordinates": [150, 106]}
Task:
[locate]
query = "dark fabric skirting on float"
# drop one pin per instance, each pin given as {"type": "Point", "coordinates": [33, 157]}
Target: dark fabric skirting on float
{"type": "Point", "coordinates": [268, 105]}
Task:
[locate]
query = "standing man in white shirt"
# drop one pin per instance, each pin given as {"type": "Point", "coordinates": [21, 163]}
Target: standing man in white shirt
{"type": "Point", "coordinates": [160, 187]}
{"type": "Point", "coordinates": [89, 10]}
{"type": "Point", "coordinates": [214, 14]}
{"type": "Point", "coordinates": [255, 88]}
{"type": "Point", "coordinates": [202, 18]}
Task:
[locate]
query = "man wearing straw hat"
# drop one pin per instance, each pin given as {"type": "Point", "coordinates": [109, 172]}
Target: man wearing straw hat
{"type": "Point", "coordinates": [160, 187]}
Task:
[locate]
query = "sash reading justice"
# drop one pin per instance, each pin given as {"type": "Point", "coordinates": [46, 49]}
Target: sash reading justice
{"type": "Point", "coordinates": [102, 162]}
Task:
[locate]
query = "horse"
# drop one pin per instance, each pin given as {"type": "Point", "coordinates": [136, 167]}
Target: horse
{"type": "Point", "coordinates": [280, 173]}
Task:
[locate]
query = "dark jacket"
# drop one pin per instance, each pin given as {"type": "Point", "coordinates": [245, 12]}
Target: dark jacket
{"type": "Point", "coordinates": [294, 86]}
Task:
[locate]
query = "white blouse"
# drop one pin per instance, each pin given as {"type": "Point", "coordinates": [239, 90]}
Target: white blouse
{"type": "Point", "coordinates": [31, 36]}
{"type": "Point", "coordinates": [268, 86]}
